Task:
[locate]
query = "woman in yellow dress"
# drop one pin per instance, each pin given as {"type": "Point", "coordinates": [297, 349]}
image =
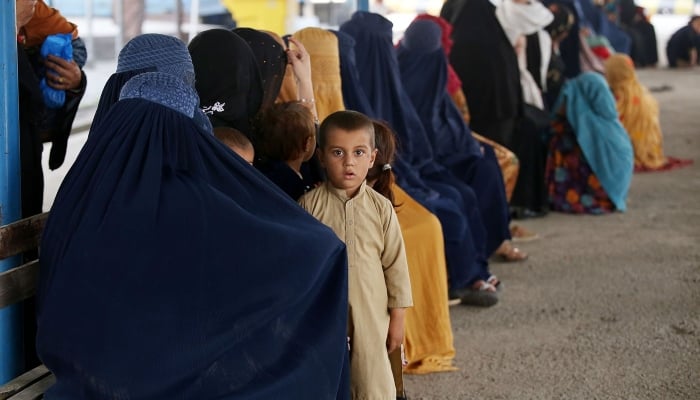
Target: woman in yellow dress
{"type": "Point", "coordinates": [639, 112]}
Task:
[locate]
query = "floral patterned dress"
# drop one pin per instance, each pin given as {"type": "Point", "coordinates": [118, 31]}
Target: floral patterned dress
{"type": "Point", "coordinates": [571, 184]}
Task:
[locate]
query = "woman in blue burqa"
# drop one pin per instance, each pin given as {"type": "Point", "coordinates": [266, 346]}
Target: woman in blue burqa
{"type": "Point", "coordinates": [417, 172]}
{"type": "Point", "coordinates": [424, 68]}
{"type": "Point", "coordinates": [147, 53]}
{"type": "Point", "coordinates": [172, 270]}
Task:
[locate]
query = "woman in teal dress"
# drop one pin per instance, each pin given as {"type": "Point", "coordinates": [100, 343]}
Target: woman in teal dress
{"type": "Point", "coordinates": [590, 160]}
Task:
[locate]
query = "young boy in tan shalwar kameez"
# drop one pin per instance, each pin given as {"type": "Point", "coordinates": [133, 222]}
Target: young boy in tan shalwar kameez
{"type": "Point", "coordinates": [379, 286]}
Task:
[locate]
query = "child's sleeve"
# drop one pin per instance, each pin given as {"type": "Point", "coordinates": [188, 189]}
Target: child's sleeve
{"type": "Point", "coordinates": [398, 283]}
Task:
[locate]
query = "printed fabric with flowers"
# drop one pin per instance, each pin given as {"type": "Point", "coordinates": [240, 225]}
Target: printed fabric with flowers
{"type": "Point", "coordinates": [571, 184]}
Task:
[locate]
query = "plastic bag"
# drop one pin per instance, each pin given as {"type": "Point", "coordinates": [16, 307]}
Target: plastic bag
{"type": "Point", "coordinates": [58, 45]}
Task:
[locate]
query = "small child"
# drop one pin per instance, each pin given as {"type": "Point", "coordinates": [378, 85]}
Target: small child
{"type": "Point", "coordinates": [286, 140]}
{"type": "Point", "coordinates": [379, 286]}
{"type": "Point", "coordinates": [236, 141]}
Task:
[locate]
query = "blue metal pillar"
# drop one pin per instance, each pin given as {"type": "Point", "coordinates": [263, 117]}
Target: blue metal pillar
{"type": "Point", "coordinates": [10, 329]}
{"type": "Point", "coordinates": [363, 5]}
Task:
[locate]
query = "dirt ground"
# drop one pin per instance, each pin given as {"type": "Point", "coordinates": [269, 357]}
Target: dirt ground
{"type": "Point", "coordinates": [607, 307]}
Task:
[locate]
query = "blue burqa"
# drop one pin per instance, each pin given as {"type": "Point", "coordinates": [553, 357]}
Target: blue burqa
{"type": "Point", "coordinates": [424, 69]}
{"type": "Point", "coordinates": [171, 269]}
{"type": "Point", "coordinates": [591, 111]}
{"type": "Point", "coordinates": [431, 184]}
{"type": "Point", "coordinates": [147, 53]}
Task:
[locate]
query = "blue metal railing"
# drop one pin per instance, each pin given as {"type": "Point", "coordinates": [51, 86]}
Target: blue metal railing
{"type": "Point", "coordinates": [10, 338]}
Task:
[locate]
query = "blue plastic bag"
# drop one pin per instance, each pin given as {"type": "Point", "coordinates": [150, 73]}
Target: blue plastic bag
{"type": "Point", "coordinates": [57, 45]}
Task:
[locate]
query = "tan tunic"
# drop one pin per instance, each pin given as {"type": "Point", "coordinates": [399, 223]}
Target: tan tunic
{"type": "Point", "coordinates": [377, 279]}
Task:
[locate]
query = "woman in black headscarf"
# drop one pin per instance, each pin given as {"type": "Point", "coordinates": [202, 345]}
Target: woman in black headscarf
{"type": "Point", "coordinates": [271, 58]}
{"type": "Point", "coordinates": [486, 63]}
{"type": "Point", "coordinates": [227, 79]}
{"type": "Point", "coordinates": [172, 270]}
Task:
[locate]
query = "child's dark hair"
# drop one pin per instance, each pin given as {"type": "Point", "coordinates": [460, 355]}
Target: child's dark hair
{"type": "Point", "coordinates": [282, 130]}
{"type": "Point", "coordinates": [380, 172]}
{"type": "Point", "coordinates": [347, 121]}
{"type": "Point", "coordinates": [231, 137]}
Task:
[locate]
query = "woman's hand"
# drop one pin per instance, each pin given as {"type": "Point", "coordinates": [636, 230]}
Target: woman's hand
{"type": "Point", "coordinates": [62, 74]}
{"type": "Point", "coordinates": [300, 60]}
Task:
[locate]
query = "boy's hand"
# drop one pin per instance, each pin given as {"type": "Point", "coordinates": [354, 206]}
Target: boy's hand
{"type": "Point", "coordinates": [394, 337]}
{"type": "Point", "coordinates": [62, 74]}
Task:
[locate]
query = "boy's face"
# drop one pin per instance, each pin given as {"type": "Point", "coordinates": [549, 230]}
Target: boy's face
{"type": "Point", "coordinates": [347, 157]}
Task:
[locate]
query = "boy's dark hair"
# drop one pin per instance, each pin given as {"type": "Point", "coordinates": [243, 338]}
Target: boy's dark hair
{"type": "Point", "coordinates": [380, 172]}
{"type": "Point", "coordinates": [231, 137]}
{"type": "Point", "coordinates": [283, 129]}
{"type": "Point", "coordinates": [348, 121]}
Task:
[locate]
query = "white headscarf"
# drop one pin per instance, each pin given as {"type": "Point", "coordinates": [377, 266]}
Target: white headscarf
{"type": "Point", "coordinates": [522, 18]}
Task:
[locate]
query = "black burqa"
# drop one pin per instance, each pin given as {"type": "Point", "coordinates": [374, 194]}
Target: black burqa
{"type": "Point", "coordinates": [487, 64]}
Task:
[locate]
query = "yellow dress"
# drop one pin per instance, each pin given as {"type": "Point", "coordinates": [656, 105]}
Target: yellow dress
{"type": "Point", "coordinates": [638, 110]}
{"type": "Point", "coordinates": [429, 343]}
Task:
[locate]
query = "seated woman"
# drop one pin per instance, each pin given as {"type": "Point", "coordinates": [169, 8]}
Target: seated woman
{"type": "Point", "coordinates": [639, 114]}
{"type": "Point", "coordinates": [157, 276]}
{"type": "Point", "coordinates": [590, 160]}
{"type": "Point", "coordinates": [423, 69]}
{"type": "Point", "coordinates": [148, 53]}
{"type": "Point", "coordinates": [286, 141]}
{"type": "Point", "coordinates": [507, 160]}
{"type": "Point", "coordinates": [683, 46]}
{"type": "Point", "coordinates": [374, 87]}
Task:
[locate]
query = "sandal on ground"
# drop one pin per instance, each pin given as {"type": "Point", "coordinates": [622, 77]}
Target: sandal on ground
{"type": "Point", "coordinates": [520, 234]}
{"type": "Point", "coordinates": [510, 254]}
{"type": "Point", "coordinates": [495, 282]}
{"type": "Point", "coordinates": [483, 295]}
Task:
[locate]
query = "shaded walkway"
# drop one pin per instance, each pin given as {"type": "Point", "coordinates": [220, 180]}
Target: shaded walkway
{"type": "Point", "coordinates": [607, 307]}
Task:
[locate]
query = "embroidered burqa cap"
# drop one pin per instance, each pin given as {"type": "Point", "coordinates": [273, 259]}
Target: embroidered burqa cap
{"type": "Point", "coordinates": [147, 52]}
{"type": "Point", "coordinates": [322, 46]}
{"type": "Point", "coordinates": [163, 89]}
{"type": "Point", "coordinates": [228, 79]}
{"type": "Point", "coordinates": [272, 61]}
{"type": "Point", "coordinates": [172, 269]}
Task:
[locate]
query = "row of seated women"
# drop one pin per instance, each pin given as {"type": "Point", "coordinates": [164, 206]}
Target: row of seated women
{"type": "Point", "coordinates": [168, 260]}
{"type": "Point", "coordinates": [171, 268]}
{"type": "Point", "coordinates": [544, 68]}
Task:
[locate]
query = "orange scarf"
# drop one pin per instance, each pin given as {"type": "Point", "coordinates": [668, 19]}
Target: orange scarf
{"type": "Point", "coordinates": [46, 21]}
{"type": "Point", "coordinates": [638, 110]}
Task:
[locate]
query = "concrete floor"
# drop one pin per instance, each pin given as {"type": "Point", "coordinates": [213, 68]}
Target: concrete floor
{"type": "Point", "coordinates": [607, 307]}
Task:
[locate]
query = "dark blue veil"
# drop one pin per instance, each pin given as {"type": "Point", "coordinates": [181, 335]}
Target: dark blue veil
{"type": "Point", "coordinates": [171, 269]}
{"type": "Point", "coordinates": [417, 172]}
{"type": "Point", "coordinates": [424, 68]}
